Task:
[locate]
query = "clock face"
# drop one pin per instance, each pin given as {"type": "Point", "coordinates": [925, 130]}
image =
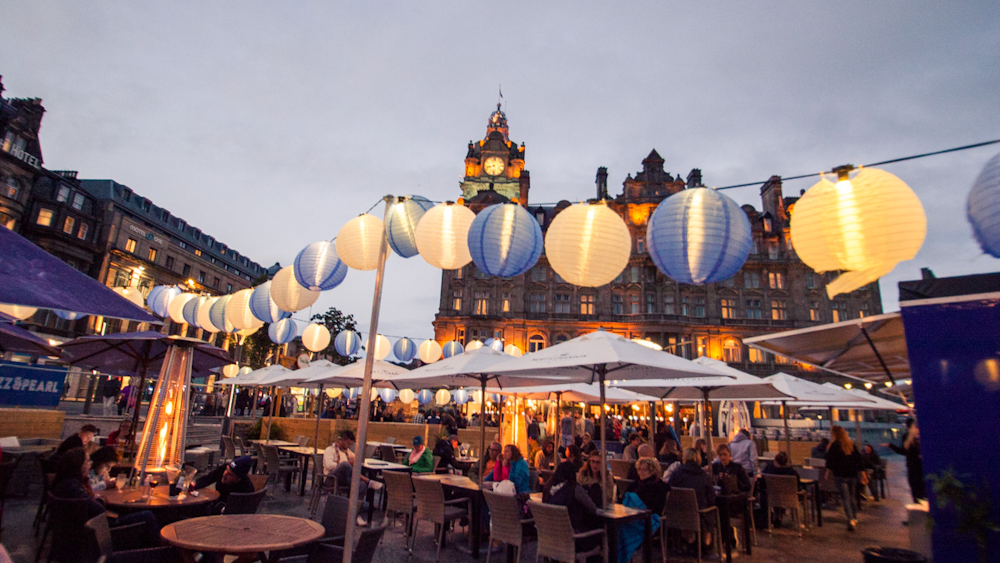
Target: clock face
{"type": "Point", "coordinates": [493, 165]}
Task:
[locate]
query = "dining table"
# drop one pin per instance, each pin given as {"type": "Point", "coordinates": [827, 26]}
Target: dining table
{"type": "Point", "coordinates": [278, 443]}
{"type": "Point", "coordinates": [615, 515]}
{"type": "Point", "coordinates": [248, 536]}
{"type": "Point", "coordinates": [464, 487]}
{"type": "Point", "coordinates": [158, 500]}
{"type": "Point", "coordinates": [305, 454]}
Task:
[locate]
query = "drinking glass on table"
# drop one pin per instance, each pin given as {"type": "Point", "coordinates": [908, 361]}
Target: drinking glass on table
{"type": "Point", "coordinates": [120, 480]}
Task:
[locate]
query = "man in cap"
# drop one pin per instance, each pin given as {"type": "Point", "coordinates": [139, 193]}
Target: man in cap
{"type": "Point", "coordinates": [228, 478]}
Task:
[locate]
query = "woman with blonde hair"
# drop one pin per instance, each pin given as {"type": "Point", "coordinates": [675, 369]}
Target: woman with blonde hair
{"type": "Point", "coordinates": [846, 465]}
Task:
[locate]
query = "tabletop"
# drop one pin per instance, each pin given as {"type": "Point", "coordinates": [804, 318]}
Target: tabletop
{"type": "Point", "coordinates": [273, 442]}
{"type": "Point", "coordinates": [379, 465]}
{"type": "Point", "coordinates": [612, 512]}
{"type": "Point", "coordinates": [242, 533]}
{"type": "Point", "coordinates": [131, 498]}
{"type": "Point", "coordinates": [300, 450]}
{"type": "Point", "coordinates": [374, 443]}
{"type": "Point", "coordinates": [449, 480]}
{"type": "Point", "coordinates": [467, 459]}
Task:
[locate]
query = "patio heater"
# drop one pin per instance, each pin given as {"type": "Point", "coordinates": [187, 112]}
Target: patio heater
{"type": "Point", "coordinates": [161, 447]}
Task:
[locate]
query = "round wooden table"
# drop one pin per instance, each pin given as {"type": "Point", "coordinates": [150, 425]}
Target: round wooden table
{"type": "Point", "coordinates": [130, 498]}
{"type": "Point", "coordinates": [241, 534]}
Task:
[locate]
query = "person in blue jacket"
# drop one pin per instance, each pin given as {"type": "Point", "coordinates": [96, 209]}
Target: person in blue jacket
{"type": "Point", "coordinates": [513, 468]}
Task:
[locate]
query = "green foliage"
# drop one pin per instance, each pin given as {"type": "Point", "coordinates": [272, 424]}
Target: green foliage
{"type": "Point", "coordinates": [336, 322]}
{"type": "Point", "coordinates": [257, 347]}
{"type": "Point", "coordinates": [971, 503]}
{"type": "Point", "coordinates": [254, 433]}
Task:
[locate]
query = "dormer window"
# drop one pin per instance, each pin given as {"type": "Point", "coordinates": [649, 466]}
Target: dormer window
{"type": "Point", "coordinates": [767, 224]}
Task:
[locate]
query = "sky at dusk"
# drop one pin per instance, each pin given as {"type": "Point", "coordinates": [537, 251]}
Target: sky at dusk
{"type": "Point", "coordinates": [270, 124]}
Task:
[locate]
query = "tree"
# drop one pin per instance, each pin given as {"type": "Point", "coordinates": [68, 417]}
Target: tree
{"type": "Point", "coordinates": [336, 322]}
{"type": "Point", "coordinates": [258, 346]}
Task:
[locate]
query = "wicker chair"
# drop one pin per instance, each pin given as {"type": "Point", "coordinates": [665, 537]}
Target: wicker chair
{"type": "Point", "coordinates": [66, 519]}
{"type": "Point", "coordinates": [241, 447]}
{"type": "Point", "coordinates": [556, 539]}
{"type": "Point", "coordinates": [619, 468]}
{"type": "Point", "coordinates": [261, 459]}
{"type": "Point", "coordinates": [432, 506]}
{"type": "Point", "coordinates": [275, 467]}
{"type": "Point", "coordinates": [390, 440]}
{"type": "Point", "coordinates": [370, 451]}
{"type": "Point", "coordinates": [244, 503]}
{"type": "Point", "coordinates": [109, 540]}
{"type": "Point", "coordinates": [399, 497]}
{"type": "Point", "coordinates": [259, 481]}
{"type": "Point", "coordinates": [387, 453]}
{"type": "Point", "coordinates": [303, 441]}
{"type": "Point", "coordinates": [506, 524]}
{"type": "Point", "coordinates": [229, 452]}
{"type": "Point", "coordinates": [783, 492]}
{"type": "Point", "coordinates": [6, 472]}
{"type": "Point", "coordinates": [47, 465]}
{"type": "Point", "coordinates": [681, 512]}
{"type": "Point", "coordinates": [364, 550]}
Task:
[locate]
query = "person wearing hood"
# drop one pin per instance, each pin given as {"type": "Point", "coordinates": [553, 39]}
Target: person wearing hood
{"type": "Point", "coordinates": [744, 452]}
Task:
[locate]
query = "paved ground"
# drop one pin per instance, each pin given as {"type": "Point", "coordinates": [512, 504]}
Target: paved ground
{"type": "Point", "coordinates": [880, 524]}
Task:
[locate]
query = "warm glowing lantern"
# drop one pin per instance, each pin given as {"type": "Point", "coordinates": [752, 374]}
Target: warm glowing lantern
{"type": "Point", "coordinates": [382, 347]}
{"type": "Point", "coordinates": [406, 395]}
{"type": "Point", "coordinates": [347, 343]}
{"type": "Point", "coordinates": [474, 345]}
{"type": "Point", "coordinates": [159, 299]}
{"type": "Point", "coordinates": [132, 294]}
{"type": "Point", "coordinates": [425, 396]}
{"type": "Point", "coordinates": [217, 314]}
{"type": "Point", "coordinates": [588, 244]}
{"type": "Point", "coordinates": [263, 307]}
{"type": "Point", "coordinates": [442, 397]}
{"type": "Point", "coordinates": [404, 350]}
{"type": "Point", "coordinates": [401, 224]}
{"type": "Point", "coordinates": [512, 350]}
{"type": "Point", "coordinates": [238, 311]}
{"type": "Point", "coordinates": [359, 240]}
{"type": "Point", "coordinates": [230, 370]}
{"type": "Point", "coordinates": [282, 332]}
{"type": "Point", "coordinates": [315, 337]}
{"type": "Point", "coordinates": [451, 348]}
{"type": "Point", "coordinates": [317, 266]}
{"type": "Point", "coordinates": [19, 312]}
{"type": "Point", "coordinates": [204, 315]}
{"type": "Point", "coordinates": [865, 224]}
{"type": "Point", "coordinates": [288, 294]}
{"type": "Point", "coordinates": [698, 236]}
{"type": "Point", "coordinates": [176, 307]}
{"type": "Point", "coordinates": [443, 236]}
{"type": "Point", "coordinates": [429, 351]}
{"type": "Point", "coordinates": [334, 392]}
{"type": "Point", "coordinates": [245, 370]}
{"type": "Point", "coordinates": [983, 207]}
{"type": "Point", "coordinates": [460, 397]}
{"type": "Point", "coordinates": [505, 240]}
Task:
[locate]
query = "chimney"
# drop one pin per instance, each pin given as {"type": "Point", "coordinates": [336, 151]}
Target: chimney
{"type": "Point", "coordinates": [525, 183]}
{"type": "Point", "coordinates": [772, 200]}
{"type": "Point", "coordinates": [602, 182]}
{"type": "Point", "coordinates": [694, 178]}
{"type": "Point", "coordinates": [927, 274]}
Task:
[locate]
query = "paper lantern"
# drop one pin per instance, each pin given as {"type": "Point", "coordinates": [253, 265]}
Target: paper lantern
{"type": "Point", "coordinates": [494, 343]}
{"type": "Point", "coordinates": [477, 397]}
{"type": "Point", "coordinates": [698, 236]}
{"type": "Point", "coordinates": [353, 393]}
{"type": "Point", "coordinates": [474, 345]}
{"type": "Point", "coordinates": [401, 224]}
{"type": "Point", "coordinates": [68, 315]}
{"type": "Point", "coordinates": [442, 397]}
{"type": "Point", "coordinates": [19, 312]}
{"type": "Point", "coordinates": [190, 311]}
{"type": "Point", "coordinates": [245, 332]}
{"type": "Point", "coordinates": [588, 244]}
{"type": "Point", "coordinates": [429, 351]}
{"type": "Point", "coordinates": [316, 337]}
{"type": "Point", "coordinates": [983, 207]}
{"type": "Point", "coordinates": [176, 307]}
{"type": "Point", "coordinates": [263, 307]}
{"type": "Point", "coordinates": [451, 348]}
{"type": "Point", "coordinates": [512, 350]}
{"type": "Point", "coordinates": [230, 370]}
{"type": "Point", "coordinates": [245, 370]}
{"type": "Point", "coordinates": [406, 395]}
{"type": "Point", "coordinates": [404, 350]}
{"type": "Point", "coordinates": [159, 299]}
{"type": "Point", "coordinates": [460, 397]}
{"type": "Point", "coordinates": [317, 266]}
{"type": "Point", "coordinates": [283, 331]}
{"type": "Point", "coordinates": [388, 395]}
{"type": "Point", "coordinates": [204, 315]}
{"type": "Point", "coordinates": [505, 240]}
{"type": "Point", "coordinates": [359, 241]}
{"type": "Point", "coordinates": [347, 343]}
{"type": "Point", "coordinates": [132, 294]}
{"type": "Point", "coordinates": [217, 314]}
{"type": "Point", "coordinates": [288, 294]}
{"type": "Point", "coordinates": [424, 397]}
{"type": "Point", "coordinates": [443, 236]}
{"type": "Point", "coordinates": [238, 311]}
{"type": "Point", "coordinates": [865, 224]}
{"type": "Point", "coordinates": [382, 347]}
{"type": "Point", "coordinates": [334, 392]}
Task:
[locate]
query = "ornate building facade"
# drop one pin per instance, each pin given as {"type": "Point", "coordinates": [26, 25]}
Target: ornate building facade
{"type": "Point", "coordinates": [774, 290]}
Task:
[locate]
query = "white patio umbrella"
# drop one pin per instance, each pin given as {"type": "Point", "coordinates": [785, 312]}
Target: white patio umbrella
{"type": "Point", "coordinates": [578, 393]}
{"type": "Point", "coordinates": [254, 377]}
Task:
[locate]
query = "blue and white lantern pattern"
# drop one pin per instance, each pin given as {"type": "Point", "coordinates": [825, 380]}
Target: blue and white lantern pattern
{"type": "Point", "coordinates": [347, 343]}
{"type": "Point", "coordinates": [318, 268]}
{"type": "Point", "coordinates": [217, 314]}
{"type": "Point", "coordinates": [460, 397]}
{"type": "Point", "coordinates": [282, 332]}
{"type": "Point", "coordinates": [388, 395]}
{"type": "Point", "coordinates": [69, 315]}
{"type": "Point", "coordinates": [401, 224]}
{"type": "Point", "coordinates": [494, 343]}
{"type": "Point", "coordinates": [505, 240]}
{"type": "Point", "coordinates": [404, 349]}
{"type": "Point", "coordinates": [190, 311]}
{"type": "Point", "coordinates": [698, 236]}
{"type": "Point", "coordinates": [158, 301]}
{"type": "Point", "coordinates": [263, 307]}
{"type": "Point", "coordinates": [352, 393]}
{"type": "Point", "coordinates": [452, 348]}
{"type": "Point", "coordinates": [424, 397]}
{"type": "Point", "coordinates": [984, 207]}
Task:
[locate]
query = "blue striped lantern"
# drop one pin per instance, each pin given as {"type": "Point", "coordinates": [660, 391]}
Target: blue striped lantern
{"type": "Point", "coordinates": [388, 395]}
{"type": "Point", "coordinates": [352, 393]}
{"type": "Point", "coordinates": [698, 236]}
{"type": "Point", "coordinates": [494, 343]}
{"type": "Point", "coordinates": [283, 331]}
{"type": "Point", "coordinates": [452, 348]}
{"type": "Point", "coordinates": [151, 296]}
{"type": "Point", "coordinates": [69, 315]}
{"type": "Point", "coordinates": [159, 302]}
{"type": "Point", "coordinates": [460, 397]}
{"type": "Point", "coordinates": [347, 343]}
{"type": "Point", "coordinates": [263, 307]}
{"type": "Point", "coordinates": [190, 311]}
{"type": "Point", "coordinates": [318, 268]}
{"type": "Point", "coordinates": [401, 224]}
{"type": "Point", "coordinates": [217, 314]}
{"type": "Point", "coordinates": [424, 397]}
{"type": "Point", "coordinates": [505, 240]}
{"type": "Point", "coordinates": [404, 350]}
{"type": "Point", "coordinates": [984, 207]}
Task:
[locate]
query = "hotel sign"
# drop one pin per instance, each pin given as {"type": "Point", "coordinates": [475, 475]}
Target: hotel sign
{"type": "Point", "coordinates": [145, 235]}
{"type": "Point", "coordinates": [23, 156]}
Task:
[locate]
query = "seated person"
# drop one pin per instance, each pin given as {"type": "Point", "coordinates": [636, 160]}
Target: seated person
{"type": "Point", "coordinates": [589, 477]}
{"type": "Point", "coordinates": [101, 462]}
{"type": "Point", "coordinates": [574, 456]}
{"type": "Point", "coordinates": [725, 465]}
{"type": "Point", "coordinates": [122, 435]}
{"type": "Point", "coordinates": [649, 488]}
{"type": "Point", "coordinates": [702, 446]}
{"type": "Point", "coordinates": [445, 449]}
{"type": "Point", "coordinates": [872, 464]}
{"type": "Point", "coordinates": [545, 459]}
{"type": "Point", "coordinates": [511, 467]}
{"type": "Point", "coordinates": [819, 450]}
{"type": "Point", "coordinates": [232, 477]}
{"type": "Point", "coordinates": [493, 454]}
{"type": "Point", "coordinates": [668, 453]}
{"type": "Point", "coordinates": [780, 466]}
{"type": "Point", "coordinates": [338, 462]}
{"type": "Point", "coordinates": [645, 452]}
{"type": "Point", "coordinates": [690, 475]}
{"type": "Point", "coordinates": [563, 490]}
{"type": "Point", "coordinates": [631, 452]}
{"type": "Point", "coordinates": [79, 440]}
{"type": "Point", "coordinates": [588, 445]}
{"type": "Point", "coordinates": [743, 450]}
{"type": "Point", "coordinates": [420, 459]}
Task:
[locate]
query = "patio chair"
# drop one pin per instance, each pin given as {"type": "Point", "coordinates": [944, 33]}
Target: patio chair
{"type": "Point", "coordinates": [370, 451]}
{"type": "Point", "coordinates": [244, 503]}
{"type": "Point", "coordinates": [303, 441]}
{"type": "Point", "coordinates": [437, 462]}
{"type": "Point", "coordinates": [432, 506]}
{"type": "Point", "coordinates": [261, 460]}
{"type": "Point", "coordinates": [783, 492]}
{"type": "Point", "coordinates": [108, 540]}
{"type": "Point", "coordinates": [387, 453]}
{"type": "Point", "coordinates": [47, 465]}
{"type": "Point", "coordinates": [334, 519]}
{"type": "Point", "coordinates": [66, 519]}
{"type": "Point", "coordinates": [6, 473]}
{"type": "Point", "coordinates": [390, 440]}
{"type": "Point", "coordinates": [399, 498]}
{"type": "Point", "coordinates": [556, 539]}
{"type": "Point", "coordinates": [681, 512]}
{"type": "Point", "coordinates": [276, 468]}
{"type": "Point", "coordinates": [317, 472]}
{"type": "Point", "coordinates": [364, 550]}
{"type": "Point", "coordinates": [259, 481]}
{"type": "Point", "coordinates": [298, 439]}
{"type": "Point", "coordinates": [619, 468]}
{"type": "Point", "coordinates": [506, 524]}
{"type": "Point", "coordinates": [329, 485]}
{"type": "Point", "coordinates": [229, 452]}
{"type": "Point", "coordinates": [242, 447]}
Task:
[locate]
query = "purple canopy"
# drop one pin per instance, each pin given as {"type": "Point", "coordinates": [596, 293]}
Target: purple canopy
{"type": "Point", "coordinates": [137, 352]}
{"type": "Point", "coordinates": [32, 277]}
{"type": "Point", "coordinates": [16, 339]}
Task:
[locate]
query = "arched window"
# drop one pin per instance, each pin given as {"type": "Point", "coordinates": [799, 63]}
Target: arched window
{"type": "Point", "coordinates": [561, 338]}
{"type": "Point", "coordinates": [536, 342]}
{"type": "Point", "coordinates": [732, 351]}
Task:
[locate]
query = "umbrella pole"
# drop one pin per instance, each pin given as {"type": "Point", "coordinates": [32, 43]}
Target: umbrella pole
{"type": "Point", "coordinates": [319, 413]}
{"type": "Point", "coordinates": [130, 446]}
{"type": "Point", "coordinates": [704, 421]}
{"type": "Point", "coordinates": [558, 424]}
{"type": "Point", "coordinates": [601, 372]}
{"type": "Point", "coordinates": [482, 427]}
{"type": "Point", "coordinates": [788, 437]}
{"type": "Point", "coordinates": [275, 397]}
{"type": "Point", "coordinates": [857, 426]}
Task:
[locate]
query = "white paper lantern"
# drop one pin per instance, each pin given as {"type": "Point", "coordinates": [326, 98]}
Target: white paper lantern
{"type": "Point", "coordinates": [388, 395]}
{"type": "Point", "coordinates": [288, 294]}
{"type": "Point", "coordinates": [443, 236]}
{"type": "Point", "coordinates": [230, 370]}
{"type": "Point", "coordinates": [347, 343]}
{"type": "Point", "coordinates": [132, 294]}
{"type": "Point", "coordinates": [190, 310]}
{"type": "Point", "coordinates": [334, 392]}
{"type": "Point", "coordinates": [359, 241]}
{"type": "Point", "coordinates": [68, 315]}
{"type": "Point", "coordinates": [442, 397]}
{"type": "Point", "coordinates": [19, 312]}
{"type": "Point", "coordinates": [460, 397]}
{"type": "Point", "coordinates": [401, 222]}
{"type": "Point", "coordinates": [588, 244]}
{"type": "Point", "coordinates": [243, 333]}
{"type": "Point", "coordinates": [452, 348]}
{"type": "Point", "coordinates": [316, 337]}
{"type": "Point", "coordinates": [404, 350]}
{"type": "Point", "coordinates": [494, 343]}
{"type": "Point", "coordinates": [512, 350]}
{"type": "Point", "coordinates": [217, 314]}
{"type": "Point", "coordinates": [983, 207]}
{"type": "Point", "coordinates": [245, 370]}
{"type": "Point", "coordinates": [406, 396]}
{"type": "Point", "coordinates": [204, 315]}
{"type": "Point", "coordinates": [373, 394]}
{"type": "Point", "coordinates": [865, 224]}
{"type": "Point", "coordinates": [283, 331]}
{"type": "Point", "coordinates": [263, 307]}
{"type": "Point", "coordinates": [317, 266]}
{"type": "Point", "coordinates": [238, 311]}
{"type": "Point", "coordinates": [382, 347]}
{"type": "Point", "coordinates": [505, 240]}
{"type": "Point", "coordinates": [159, 299]}
{"type": "Point", "coordinates": [474, 345]}
{"type": "Point", "coordinates": [176, 307]}
{"type": "Point", "coordinates": [352, 393]}
{"type": "Point", "coordinates": [429, 351]}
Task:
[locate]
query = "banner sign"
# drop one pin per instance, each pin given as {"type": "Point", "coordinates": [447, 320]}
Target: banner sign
{"type": "Point", "coordinates": [31, 386]}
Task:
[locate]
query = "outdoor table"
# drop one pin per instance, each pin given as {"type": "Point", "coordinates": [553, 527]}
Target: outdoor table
{"type": "Point", "coordinates": [817, 505]}
{"type": "Point", "coordinates": [379, 444]}
{"type": "Point", "coordinates": [240, 534]}
{"type": "Point", "coordinates": [305, 453]}
{"type": "Point", "coordinates": [462, 486]}
{"type": "Point", "coordinates": [467, 459]}
{"type": "Point", "coordinates": [615, 515]}
{"type": "Point", "coordinates": [130, 499]}
{"type": "Point", "coordinates": [273, 442]}
{"type": "Point", "coordinates": [726, 505]}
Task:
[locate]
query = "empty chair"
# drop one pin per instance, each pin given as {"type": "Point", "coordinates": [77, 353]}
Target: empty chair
{"type": "Point", "coordinates": [364, 550]}
{"type": "Point", "coordinates": [276, 467]}
{"type": "Point", "coordinates": [387, 453]}
{"type": "Point", "coordinates": [783, 492]}
{"type": "Point", "coordinates": [261, 458]}
{"type": "Point", "coordinates": [506, 524]}
{"type": "Point", "coordinates": [432, 506]}
{"type": "Point", "coordinates": [241, 447]}
{"type": "Point", "coordinates": [370, 451]}
{"type": "Point", "coordinates": [107, 540]}
{"type": "Point", "coordinates": [334, 518]}
{"type": "Point", "coordinates": [399, 497]}
{"type": "Point", "coordinates": [229, 448]}
{"type": "Point", "coordinates": [303, 441]}
{"type": "Point", "coordinates": [7, 470]}
{"type": "Point", "coordinates": [390, 440]}
{"type": "Point", "coordinates": [619, 468]}
{"type": "Point", "coordinates": [298, 439]}
{"type": "Point", "coordinates": [682, 513]}
{"type": "Point", "coordinates": [328, 484]}
{"type": "Point", "coordinates": [556, 539]}
{"type": "Point", "coordinates": [317, 473]}
{"type": "Point", "coordinates": [244, 503]}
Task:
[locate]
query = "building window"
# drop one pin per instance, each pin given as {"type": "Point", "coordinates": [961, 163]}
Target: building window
{"type": "Point", "coordinates": [229, 288]}
{"type": "Point", "coordinates": [699, 306]}
{"type": "Point", "coordinates": [640, 244]}
{"type": "Point", "coordinates": [122, 278]}
{"type": "Point", "coordinates": [668, 305]}
{"type": "Point", "coordinates": [68, 225]}
{"type": "Point", "coordinates": [170, 262]}
{"type": "Point", "coordinates": [481, 275]}
{"type": "Point", "coordinates": [130, 245]}
{"type": "Point", "coordinates": [586, 304]}
{"type": "Point", "coordinates": [82, 233]}
{"type": "Point", "coordinates": [481, 303]}
{"type": "Point", "coordinates": [702, 346]}
{"type": "Point", "coordinates": [751, 280]}
{"type": "Point", "coordinates": [562, 303]}
{"type": "Point", "coordinates": [617, 305]}
{"type": "Point", "coordinates": [460, 335]}
{"type": "Point", "coordinates": [197, 252]}
{"type": "Point", "coordinates": [772, 251]}
{"type": "Point", "coordinates": [216, 282]}
{"type": "Point", "coordinates": [63, 194]}
{"type": "Point", "coordinates": [778, 310]}
{"type": "Point", "coordinates": [458, 273]}
{"type": "Point", "coordinates": [650, 303]}
{"type": "Point", "coordinates": [863, 312]}
{"type": "Point", "coordinates": [536, 303]}
{"type": "Point", "coordinates": [13, 188]}
{"type": "Point", "coordinates": [539, 274]}
{"type": "Point", "coordinates": [456, 299]}
{"type": "Point", "coordinates": [505, 302]}
{"type": "Point", "coordinates": [684, 306]}
{"type": "Point", "coordinates": [839, 311]}
{"type": "Point", "coordinates": [559, 279]}
{"type": "Point", "coordinates": [620, 278]}
{"type": "Point", "coordinates": [776, 280]}
{"type": "Point", "coordinates": [186, 270]}
{"type": "Point", "coordinates": [201, 277]}
{"type": "Point", "coordinates": [633, 305]}
{"type": "Point", "coordinates": [650, 273]}
{"type": "Point", "coordinates": [781, 360]}
{"type": "Point", "coordinates": [814, 314]}
{"type": "Point", "coordinates": [152, 255]}
{"type": "Point", "coordinates": [756, 356]}
{"type": "Point", "coordinates": [728, 308]}
{"type": "Point", "coordinates": [633, 274]}
{"type": "Point", "coordinates": [44, 217]}
{"type": "Point", "coordinates": [731, 351]}
{"type": "Point", "coordinates": [78, 200]}
{"type": "Point", "coordinates": [561, 338]}
{"type": "Point", "coordinates": [753, 309]}
{"type": "Point", "coordinates": [728, 282]}
{"type": "Point", "coordinates": [536, 342]}
{"type": "Point", "coordinates": [810, 280]}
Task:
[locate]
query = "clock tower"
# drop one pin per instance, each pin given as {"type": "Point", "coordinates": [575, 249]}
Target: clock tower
{"type": "Point", "coordinates": [495, 163]}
